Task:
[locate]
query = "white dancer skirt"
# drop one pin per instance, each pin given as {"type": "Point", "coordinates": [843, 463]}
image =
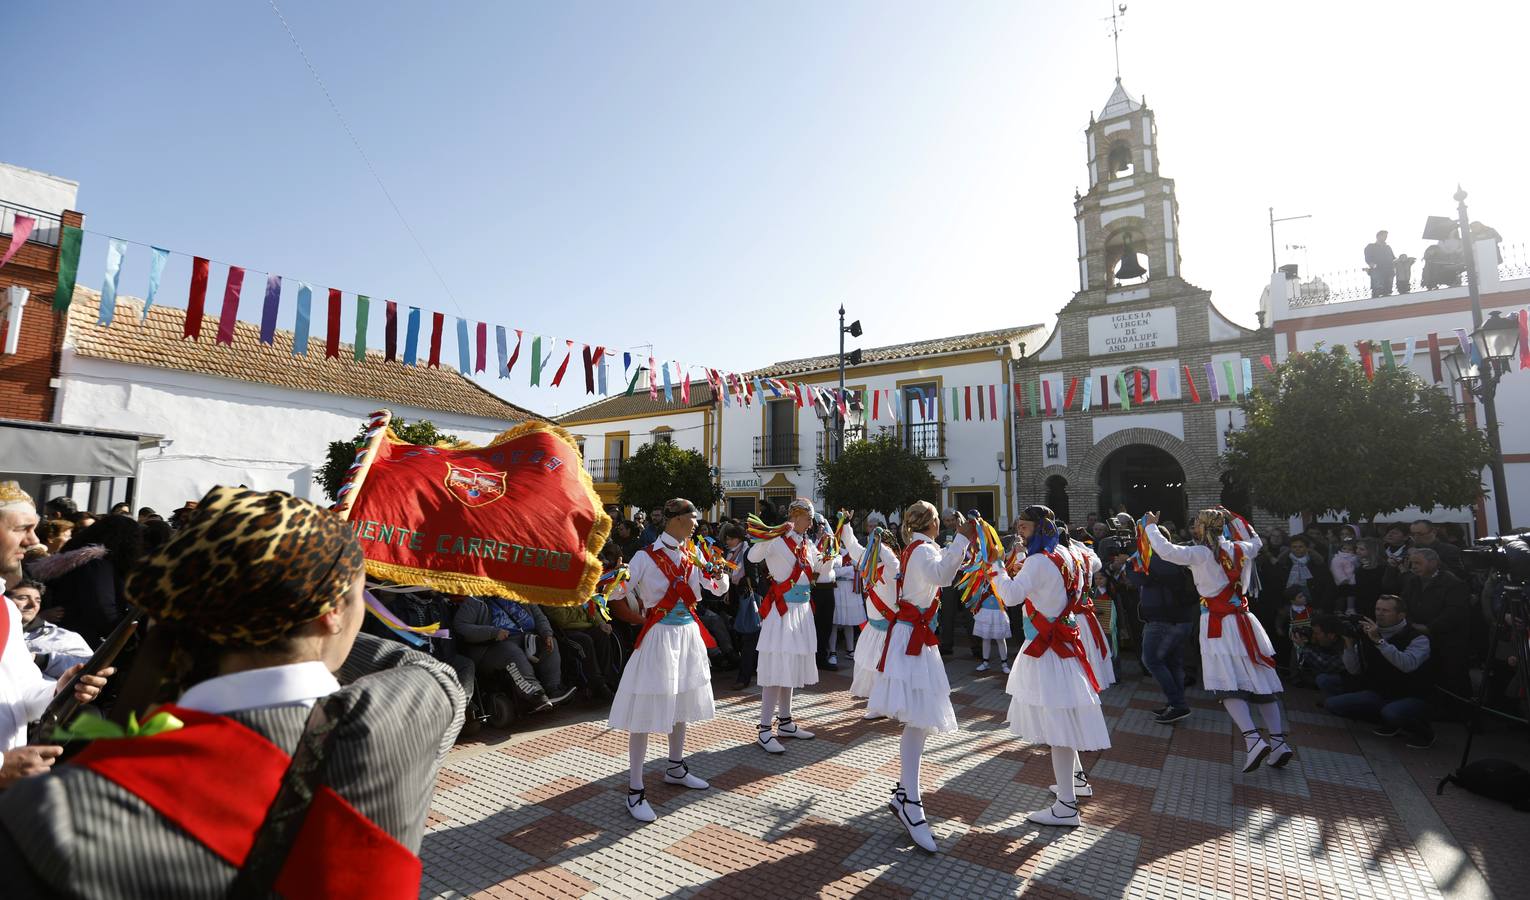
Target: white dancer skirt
{"type": "Point", "coordinates": [991, 625]}
{"type": "Point", "coordinates": [1104, 672]}
{"type": "Point", "coordinates": [668, 680]}
{"type": "Point", "coordinates": [1052, 703]}
{"type": "Point", "coordinates": [1225, 665]}
{"type": "Point", "coordinates": [868, 649]}
{"type": "Point", "coordinates": [788, 648]}
{"type": "Point", "coordinates": [912, 689]}
{"type": "Point", "coordinates": [849, 608]}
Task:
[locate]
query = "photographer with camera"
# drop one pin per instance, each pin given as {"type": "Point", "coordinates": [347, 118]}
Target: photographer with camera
{"type": "Point", "coordinates": [1439, 606]}
{"type": "Point", "coordinates": [1390, 661]}
{"type": "Point", "coordinates": [1320, 651]}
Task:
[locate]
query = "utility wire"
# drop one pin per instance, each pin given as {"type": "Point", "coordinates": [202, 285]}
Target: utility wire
{"type": "Point", "coordinates": [363, 154]}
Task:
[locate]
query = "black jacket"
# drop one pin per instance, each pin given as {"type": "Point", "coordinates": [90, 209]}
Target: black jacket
{"type": "Point", "coordinates": [1381, 676]}
{"type": "Point", "coordinates": [1162, 595]}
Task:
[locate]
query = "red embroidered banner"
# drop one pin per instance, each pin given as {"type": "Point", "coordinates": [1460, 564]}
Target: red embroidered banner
{"type": "Point", "coordinates": [518, 518]}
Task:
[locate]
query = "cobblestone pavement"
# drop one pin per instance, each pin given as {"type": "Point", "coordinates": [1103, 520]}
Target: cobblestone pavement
{"type": "Point", "coordinates": [540, 814]}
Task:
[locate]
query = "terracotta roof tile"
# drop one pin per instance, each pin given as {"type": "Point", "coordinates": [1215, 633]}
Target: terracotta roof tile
{"type": "Point", "coordinates": [157, 341]}
{"type": "Point", "coordinates": [952, 344]}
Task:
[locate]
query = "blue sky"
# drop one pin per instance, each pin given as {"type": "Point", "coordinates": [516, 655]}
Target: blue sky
{"type": "Point", "coordinates": [715, 179]}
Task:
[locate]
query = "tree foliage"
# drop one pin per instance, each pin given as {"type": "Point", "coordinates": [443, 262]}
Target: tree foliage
{"type": "Point", "coordinates": [660, 471]}
{"type": "Point", "coordinates": [342, 453]}
{"type": "Point", "coordinates": [1327, 438]}
{"type": "Point", "coordinates": [876, 474]}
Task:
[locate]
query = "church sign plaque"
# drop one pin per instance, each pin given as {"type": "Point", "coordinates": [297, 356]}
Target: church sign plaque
{"type": "Point", "coordinates": [1139, 329]}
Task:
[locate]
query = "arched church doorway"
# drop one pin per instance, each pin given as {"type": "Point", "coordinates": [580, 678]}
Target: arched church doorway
{"type": "Point", "coordinates": [1139, 478]}
{"type": "Point", "coordinates": [1057, 497]}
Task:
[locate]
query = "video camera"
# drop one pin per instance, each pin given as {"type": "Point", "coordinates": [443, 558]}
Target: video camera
{"type": "Point", "coordinates": [1121, 536]}
{"type": "Point", "coordinates": [1507, 554]}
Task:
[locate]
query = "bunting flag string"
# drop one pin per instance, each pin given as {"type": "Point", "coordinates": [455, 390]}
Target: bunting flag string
{"type": "Point", "coordinates": [600, 374]}
{"type": "Point", "coordinates": [1368, 364]}
{"type": "Point", "coordinates": [1137, 387]}
{"type": "Point", "coordinates": [304, 316]}
{"type": "Point", "coordinates": [593, 356]}
{"type": "Point", "coordinates": [1153, 384]}
{"type": "Point", "coordinates": [514, 355]}
{"type": "Point", "coordinates": [21, 230]}
{"type": "Point", "coordinates": [501, 345]}
{"type": "Point", "coordinates": [1248, 375]}
{"type": "Point", "coordinates": [536, 361]}
{"type": "Point", "coordinates": [1270, 364]}
{"type": "Point", "coordinates": [482, 340]}
{"type": "Point", "coordinates": [269, 308]}
{"type": "Point", "coordinates": [1434, 357]}
{"type": "Point", "coordinates": [993, 401]}
{"type": "Point", "coordinates": [1388, 360]}
{"type": "Point", "coordinates": [68, 267]}
{"type": "Point", "coordinates": [653, 383]}
{"type": "Point", "coordinates": [390, 330]}
{"type": "Point", "coordinates": [1232, 380]}
{"type": "Point", "coordinates": [363, 312]}
{"type": "Point", "coordinates": [412, 338]}
{"type": "Point", "coordinates": [1046, 393]}
{"type": "Point", "coordinates": [437, 325]}
{"type": "Point", "coordinates": [1211, 383]}
{"type": "Point", "coordinates": [195, 301]}
{"type": "Point", "coordinates": [229, 316]}
{"type": "Point", "coordinates": [1126, 403]}
{"type": "Point", "coordinates": [1195, 395]}
{"type": "Point", "coordinates": [1088, 384]}
{"type": "Point", "coordinates": [685, 385]}
{"type": "Point", "coordinates": [1104, 392]}
{"type": "Point", "coordinates": [563, 366]}
{"type": "Point", "coordinates": [115, 251]}
{"type": "Point", "coordinates": [332, 326]}
{"type": "Point", "coordinates": [1072, 391]}
{"type": "Point", "coordinates": [1524, 339]}
{"type": "Point", "coordinates": [1408, 351]}
{"type": "Point", "coordinates": [464, 361]}
{"type": "Point", "coordinates": [156, 273]}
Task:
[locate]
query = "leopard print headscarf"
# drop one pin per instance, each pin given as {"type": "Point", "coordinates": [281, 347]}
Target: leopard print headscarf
{"type": "Point", "coordinates": [248, 567]}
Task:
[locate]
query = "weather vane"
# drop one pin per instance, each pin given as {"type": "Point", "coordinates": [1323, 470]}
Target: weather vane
{"type": "Point", "coordinates": [1116, 12]}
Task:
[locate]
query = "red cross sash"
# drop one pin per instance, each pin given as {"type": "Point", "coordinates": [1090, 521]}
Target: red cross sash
{"type": "Point", "coordinates": [775, 598]}
{"type": "Point", "coordinates": [1229, 602]}
{"type": "Point", "coordinates": [921, 636]}
{"type": "Point", "coordinates": [678, 592]}
{"type": "Point", "coordinates": [1059, 637]}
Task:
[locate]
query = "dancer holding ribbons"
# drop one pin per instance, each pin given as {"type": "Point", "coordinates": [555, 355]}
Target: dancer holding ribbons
{"type": "Point", "coordinates": [878, 569]}
{"type": "Point", "coordinates": [788, 637]}
{"type": "Point", "coordinates": [668, 681]}
{"type": "Point", "coordinates": [1237, 659]}
{"type": "Point", "coordinates": [1053, 688]}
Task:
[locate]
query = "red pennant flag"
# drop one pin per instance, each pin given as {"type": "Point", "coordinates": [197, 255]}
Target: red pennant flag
{"type": "Point", "coordinates": [1153, 384]}
{"type": "Point", "coordinates": [1195, 395]}
{"type": "Point", "coordinates": [993, 400]}
{"type": "Point", "coordinates": [1105, 391]}
{"type": "Point", "coordinates": [967, 404]}
{"type": "Point", "coordinates": [514, 354]}
{"type": "Point", "coordinates": [1524, 339]}
{"type": "Point", "coordinates": [592, 358]}
{"type": "Point", "coordinates": [981, 416]}
{"type": "Point", "coordinates": [390, 331]}
{"type": "Point", "coordinates": [1268, 363]}
{"type": "Point", "coordinates": [1019, 400]}
{"type": "Point", "coordinates": [563, 366]}
{"type": "Point", "coordinates": [1366, 362]}
{"type": "Point", "coordinates": [437, 323]}
{"type": "Point", "coordinates": [685, 384]}
{"type": "Point", "coordinates": [1072, 392]}
{"type": "Point", "coordinates": [653, 380]}
{"type": "Point", "coordinates": [1137, 387]}
{"type": "Point", "coordinates": [332, 325]}
{"type": "Point", "coordinates": [876, 405]}
{"type": "Point", "coordinates": [1434, 357]}
{"type": "Point", "coordinates": [1046, 392]}
{"type": "Point", "coordinates": [197, 300]}
{"type": "Point", "coordinates": [483, 347]}
{"type": "Point", "coordinates": [230, 314]}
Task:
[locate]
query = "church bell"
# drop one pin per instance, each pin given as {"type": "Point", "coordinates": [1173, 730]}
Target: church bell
{"type": "Point", "coordinates": [1129, 267]}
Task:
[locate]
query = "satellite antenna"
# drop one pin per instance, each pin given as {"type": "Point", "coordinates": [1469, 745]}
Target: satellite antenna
{"type": "Point", "coordinates": [1116, 12]}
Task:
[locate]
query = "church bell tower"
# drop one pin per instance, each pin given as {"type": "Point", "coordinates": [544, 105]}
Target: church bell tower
{"type": "Point", "coordinates": [1128, 222]}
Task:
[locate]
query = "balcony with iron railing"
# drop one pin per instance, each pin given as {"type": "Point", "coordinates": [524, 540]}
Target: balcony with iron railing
{"type": "Point", "coordinates": [1347, 285]}
{"type": "Point", "coordinates": [825, 448]}
{"type": "Point", "coordinates": [46, 232]}
{"type": "Point", "coordinates": [604, 471]}
{"type": "Point", "coordinates": [926, 440]}
{"type": "Point", "coordinates": [776, 451]}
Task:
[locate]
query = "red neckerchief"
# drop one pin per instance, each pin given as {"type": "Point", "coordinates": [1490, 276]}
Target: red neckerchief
{"type": "Point", "coordinates": [679, 591]}
{"type": "Point", "coordinates": [237, 772]}
{"type": "Point", "coordinates": [921, 636]}
{"type": "Point", "coordinates": [775, 598]}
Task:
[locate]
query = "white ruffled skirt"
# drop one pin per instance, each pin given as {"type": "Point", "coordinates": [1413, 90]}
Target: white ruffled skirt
{"type": "Point", "coordinates": [788, 646]}
{"type": "Point", "coordinates": [868, 650]}
{"type": "Point", "coordinates": [1104, 672]}
{"type": "Point", "coordinates": [1225, 665]}
{"type": "Point", "coordinates": [849, 608]}
{"type": "Point", "coordinates": [1052, 703]}
{"type": "Point", "coordinates": [912, 689]}
{"type": "Point", "coordinates": [668, 680]}
{"type": "Point", "coordinates": [991, 625]}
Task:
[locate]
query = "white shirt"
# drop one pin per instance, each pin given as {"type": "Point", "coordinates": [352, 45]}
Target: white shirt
{"type": "Point", "coordinates": [294, 684]}
{"type": "Point", "coordinates": [24, 692]}
{"type": "Point", "coordinates": [887, 585]}
{"type": "Point", "coordinates": [780, 557]}
{"type": "Point", "coordinates": [64, 647]}
{"type": "Point", "coordinates": [1039, 580]}
{"type": "Point", "coordinates": [930, 568]}
{"type": "Point", "coordinates": [649, 585]}
{"type": "Point", "coordinates": [1202, 563]}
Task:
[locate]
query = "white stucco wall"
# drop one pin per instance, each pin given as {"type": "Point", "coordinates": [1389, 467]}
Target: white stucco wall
{"type": "Point", "coordinates": [223, 431]}
{"type": "Point", "coordinates": [39, 190]}
{"type": "Point", "coordinates": [686, 429]}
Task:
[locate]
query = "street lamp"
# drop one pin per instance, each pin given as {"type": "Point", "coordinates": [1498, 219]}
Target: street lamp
{"type": "Point", "coordinates": [854, 330]}
{"type": "Point", "coordinates": [1496, 340]}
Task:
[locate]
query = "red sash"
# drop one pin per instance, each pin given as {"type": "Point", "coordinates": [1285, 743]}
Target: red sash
{"type": "Point", "coordinates": [921, 636]}
{"type": "Point", "coordinates": [679, 591]}
{"type": "Point", "coordinates": [775, 598]}
{"type": "Point", "coordinates": [1223, 605]}
{"type": "Point", "coordinates": [1059, 637]}
{"type": "Point", "coordinates": [882, 608]}
{"type": "Point", "coordinates": [1085, 609]}
{"type": "Point", "coordinates": [216, 779]}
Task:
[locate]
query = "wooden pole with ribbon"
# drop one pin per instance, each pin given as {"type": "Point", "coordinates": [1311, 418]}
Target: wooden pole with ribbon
{"type": "Point", "coordinates": [377, 430]}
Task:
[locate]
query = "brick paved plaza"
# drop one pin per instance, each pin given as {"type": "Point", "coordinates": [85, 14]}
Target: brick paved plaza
{"type": "Point", "coordinates": [539, 813]}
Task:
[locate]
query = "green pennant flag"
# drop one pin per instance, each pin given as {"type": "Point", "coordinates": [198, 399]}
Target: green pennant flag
{"type": "Point", "coordinates": [68, 267]}
{"type": "Point", "coordinates": [954, 411]}
{"type": "Point", "coordinates": [632, 385]}
{"type": "Point", "coordinates": [1232, 380]}
{"type": "Point", "coordinates": [1126, 402]}
{"type": "Point", "coordinates": [1386, 353]}
{"type": "Point", "coordinates": [1031, 390]}
{"type": "Point", "coordinates": [536, 363]}
{"type": "Point", "coordinates": [362, 305]}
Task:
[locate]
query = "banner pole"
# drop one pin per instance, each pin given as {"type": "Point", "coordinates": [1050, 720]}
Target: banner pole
{"type": "Point", "coordinates": [377, 430]}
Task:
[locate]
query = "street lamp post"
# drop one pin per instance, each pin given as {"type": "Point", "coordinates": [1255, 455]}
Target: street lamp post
{"type": "Point", "coordinates": [1496, 340]}
{"type": "Point", "coordinates": [854, 330]}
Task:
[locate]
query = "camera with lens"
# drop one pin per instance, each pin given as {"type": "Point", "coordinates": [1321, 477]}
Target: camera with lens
{"type": "Point", "coordinates": [1508, 555]}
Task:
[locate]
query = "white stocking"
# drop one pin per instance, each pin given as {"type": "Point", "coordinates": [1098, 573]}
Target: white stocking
{"type": "Point", "coordinates": [1238, 709]}
{"type": "Point", "coordinates": [833, 640]}
{"type": "Point", "coordinates": [768, 704]}
{"type": "Point", "coordinates": [1063, 761]}
{"type": "Point", "coordinates": [637, 750]}
{"type": "Point", "coordinates": [849, 638]}
{"type": "Point", "coordinates": [677, 743]}
{"type": "Point", "coordinates": [988, 645]}
{"type": "Point", "coordinates": [1270, 713]}
{"type": "Point", "coordinates": [910, 750]}
{"type": "Point", "coordinates": [784, 703]}
{"type": "Point", "coordinates": [1003, 650]}
{"type": "Point", "coordinates": [1078, 764]}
